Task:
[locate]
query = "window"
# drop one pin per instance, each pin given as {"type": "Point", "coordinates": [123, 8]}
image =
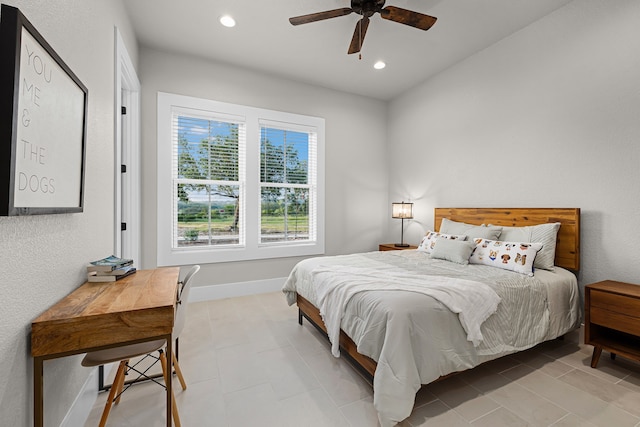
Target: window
{"type": "Point", "coordinates": [208, 183]}
{"type": "Point", "coordinates": [287, 184]}
{"type": "Point", "coordinates": [237, 182]}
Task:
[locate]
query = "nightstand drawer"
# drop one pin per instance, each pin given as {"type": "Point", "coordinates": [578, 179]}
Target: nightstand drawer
{"type": "Point", "coordinates": [613, 320]}
{"type": "Point", "coordinates": [616, 303]}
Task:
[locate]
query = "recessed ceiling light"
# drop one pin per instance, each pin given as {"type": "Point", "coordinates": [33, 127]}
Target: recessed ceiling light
{"type": "Point", "coordinates": [227, 21]}
{"type": "Point", "coordinates": [379, 65]}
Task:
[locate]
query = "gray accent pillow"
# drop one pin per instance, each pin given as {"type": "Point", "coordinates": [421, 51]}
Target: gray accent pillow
{"type": "Point", "coordinates": [457, 251]}
{"type": "Point", "coordinates": [547, 234]}
{"type": "Point", "coordinates": [490, 232]}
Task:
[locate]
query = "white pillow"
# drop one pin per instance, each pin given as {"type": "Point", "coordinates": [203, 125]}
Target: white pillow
{"type": "Point", "coordinates": [514, 256]}
{"type": "Point", "coordinates": [473, 231]}
{"type": "Point", "coordinates": [429, 240]}
{"type": "Point", "coordinates": [457, 251]}
{"type": "Point", "coordinates": [547, 234]}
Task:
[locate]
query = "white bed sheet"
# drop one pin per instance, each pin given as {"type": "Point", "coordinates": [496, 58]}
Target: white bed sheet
{"type": "Point", "coordinates": [415, 339]}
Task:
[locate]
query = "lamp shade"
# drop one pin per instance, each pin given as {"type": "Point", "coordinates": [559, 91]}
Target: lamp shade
{"type": "Point", "coordinates": [402, 210]}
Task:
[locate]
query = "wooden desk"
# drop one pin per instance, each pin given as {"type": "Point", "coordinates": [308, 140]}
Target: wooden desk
{"type": "Point", "coordinates": [96, 316]}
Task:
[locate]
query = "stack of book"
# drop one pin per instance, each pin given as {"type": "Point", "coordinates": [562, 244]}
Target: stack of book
{"type": "Point", "coordinates": [109, 269]}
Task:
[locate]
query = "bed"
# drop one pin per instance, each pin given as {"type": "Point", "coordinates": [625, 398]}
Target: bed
{"type": "Point", "coordinates": [408, 318]}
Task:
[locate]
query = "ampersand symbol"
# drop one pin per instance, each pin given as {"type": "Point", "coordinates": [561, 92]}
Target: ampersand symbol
{"type": "Point", "coordinates": [25, 118]}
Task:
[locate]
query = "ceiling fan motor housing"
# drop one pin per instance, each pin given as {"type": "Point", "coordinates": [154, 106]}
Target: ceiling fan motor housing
{"type": "Point", "coordinates": [367, 7]}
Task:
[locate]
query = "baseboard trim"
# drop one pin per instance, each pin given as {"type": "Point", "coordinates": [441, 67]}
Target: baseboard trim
{"type": "Point", "coordinates": [238, 289]}
{"type": "Point", "coordinates": [81, 408]}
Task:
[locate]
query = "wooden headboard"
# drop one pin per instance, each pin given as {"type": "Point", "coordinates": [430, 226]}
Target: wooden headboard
{"type": "Point", "coordinates": [568, 245]}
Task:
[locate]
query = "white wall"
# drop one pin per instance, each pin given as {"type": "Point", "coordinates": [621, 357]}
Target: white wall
{"type": "Point", "coordinates": [356, 177]}
{"type": "Point", "coordinates": [548, 117]}
{"type": "Point", "coordinates": [43, 258]}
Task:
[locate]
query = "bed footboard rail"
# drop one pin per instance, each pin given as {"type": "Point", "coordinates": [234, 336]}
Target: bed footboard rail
{"type": "Point", "coordinates": [364, 364]}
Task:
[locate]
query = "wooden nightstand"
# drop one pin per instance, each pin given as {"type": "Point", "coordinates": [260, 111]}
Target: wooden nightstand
{"type": "Point", "coordinates": [612, 319]}
{"type": "Point", "coordinates": [393, 247]}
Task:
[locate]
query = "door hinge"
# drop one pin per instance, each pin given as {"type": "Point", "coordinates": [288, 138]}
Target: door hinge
{"type": "Point", "coordinates": [123, 226]}
{"type": "Point", "coordinates": [123, 109]}
{"type": "Point", "coordinates": [123, 168]}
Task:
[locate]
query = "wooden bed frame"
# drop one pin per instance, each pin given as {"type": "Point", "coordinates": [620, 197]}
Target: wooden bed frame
{"type": "Point", "coordinates": [567, 256]}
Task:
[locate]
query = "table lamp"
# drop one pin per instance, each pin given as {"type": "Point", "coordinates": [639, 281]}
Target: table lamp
{"type": "Point", "coordinates": [403, 211]}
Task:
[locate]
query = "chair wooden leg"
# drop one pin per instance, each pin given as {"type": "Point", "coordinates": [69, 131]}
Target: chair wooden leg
{"type": "Point", "coordinates": [174, 407]}
{"type": "Point", "coordinates": [120, 385]}
{"type": "Point", "coordinates": [176, 366]}
{"type": "Point", "coordinates": [112, 393]}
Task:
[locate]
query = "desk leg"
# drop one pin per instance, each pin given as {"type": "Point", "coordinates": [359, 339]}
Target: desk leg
{"type": "Point", "coordinates": [38, 406]}
{"type": "Point", "coordinates": [168, 380]}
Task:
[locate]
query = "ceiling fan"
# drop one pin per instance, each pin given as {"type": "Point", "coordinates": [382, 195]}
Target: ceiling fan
{"type": "Point", "coordinates": [367, 8]}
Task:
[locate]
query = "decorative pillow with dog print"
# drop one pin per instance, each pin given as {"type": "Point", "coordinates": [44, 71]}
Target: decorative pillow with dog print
{"type": "Point", "coordinates": [429, 240]}
{"type": "Point", "coordinates": [514, 256]}
{"type": "Point", "coordinates": [547, 234]}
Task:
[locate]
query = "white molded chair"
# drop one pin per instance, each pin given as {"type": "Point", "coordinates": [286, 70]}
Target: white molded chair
{"type": "Point", "coordinates": [124, 353]}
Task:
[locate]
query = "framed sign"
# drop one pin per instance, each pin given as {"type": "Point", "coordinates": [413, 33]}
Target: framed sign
{"type": "Point", "coordinates": [43, 124]}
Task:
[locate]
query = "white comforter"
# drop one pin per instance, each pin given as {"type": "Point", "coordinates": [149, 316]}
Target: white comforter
{"type": "Point", "coordinates": [473, 301]}
{"type": "Point", "coordinates": [413, 336]}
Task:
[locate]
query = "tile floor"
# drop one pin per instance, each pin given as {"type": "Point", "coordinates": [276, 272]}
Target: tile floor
{"type": "Point", "coordinates": [247, 363]}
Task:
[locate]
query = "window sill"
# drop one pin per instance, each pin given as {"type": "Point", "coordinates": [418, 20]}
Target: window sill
{"type": "Point", "coordinates": [208, 255]}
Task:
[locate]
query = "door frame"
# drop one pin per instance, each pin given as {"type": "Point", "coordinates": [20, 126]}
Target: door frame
{"type": "Point", "coordinates": [127, 93]}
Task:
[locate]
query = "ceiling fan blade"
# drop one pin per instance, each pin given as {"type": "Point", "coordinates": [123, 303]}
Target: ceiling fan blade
{"type": "Point", "coordinates": [313, 17]}
{"type": "Point", "coordinates": [408, 17]}
{"type": "Point", "coordinates": [358, 35]}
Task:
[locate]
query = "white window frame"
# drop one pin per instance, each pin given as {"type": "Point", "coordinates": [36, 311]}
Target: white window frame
{"type": "Point", "coordinates": [252, 248]}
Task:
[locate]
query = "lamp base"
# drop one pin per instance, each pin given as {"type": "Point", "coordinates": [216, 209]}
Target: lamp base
{"type": "Point", "coordinates": [401, 245]}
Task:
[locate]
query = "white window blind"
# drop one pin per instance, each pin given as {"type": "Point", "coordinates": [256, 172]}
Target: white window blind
{"type": "Point", "coordinates": [288, 189]}
{"type": "Point", "coordinates": [208, 179]}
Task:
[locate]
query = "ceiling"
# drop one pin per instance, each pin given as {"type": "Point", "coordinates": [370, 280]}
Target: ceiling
{"type": "Point", "coordinates": [316, 53]}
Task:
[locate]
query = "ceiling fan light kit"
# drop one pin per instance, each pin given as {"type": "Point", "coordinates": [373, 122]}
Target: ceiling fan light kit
{"type": "Point", "coordinates": [366, 8]}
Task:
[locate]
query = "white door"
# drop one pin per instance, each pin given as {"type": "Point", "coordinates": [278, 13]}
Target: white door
{"type": "Point", "coordinates": [125, 171]}
{"type": "Point", "coordinates": [127, 159]}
